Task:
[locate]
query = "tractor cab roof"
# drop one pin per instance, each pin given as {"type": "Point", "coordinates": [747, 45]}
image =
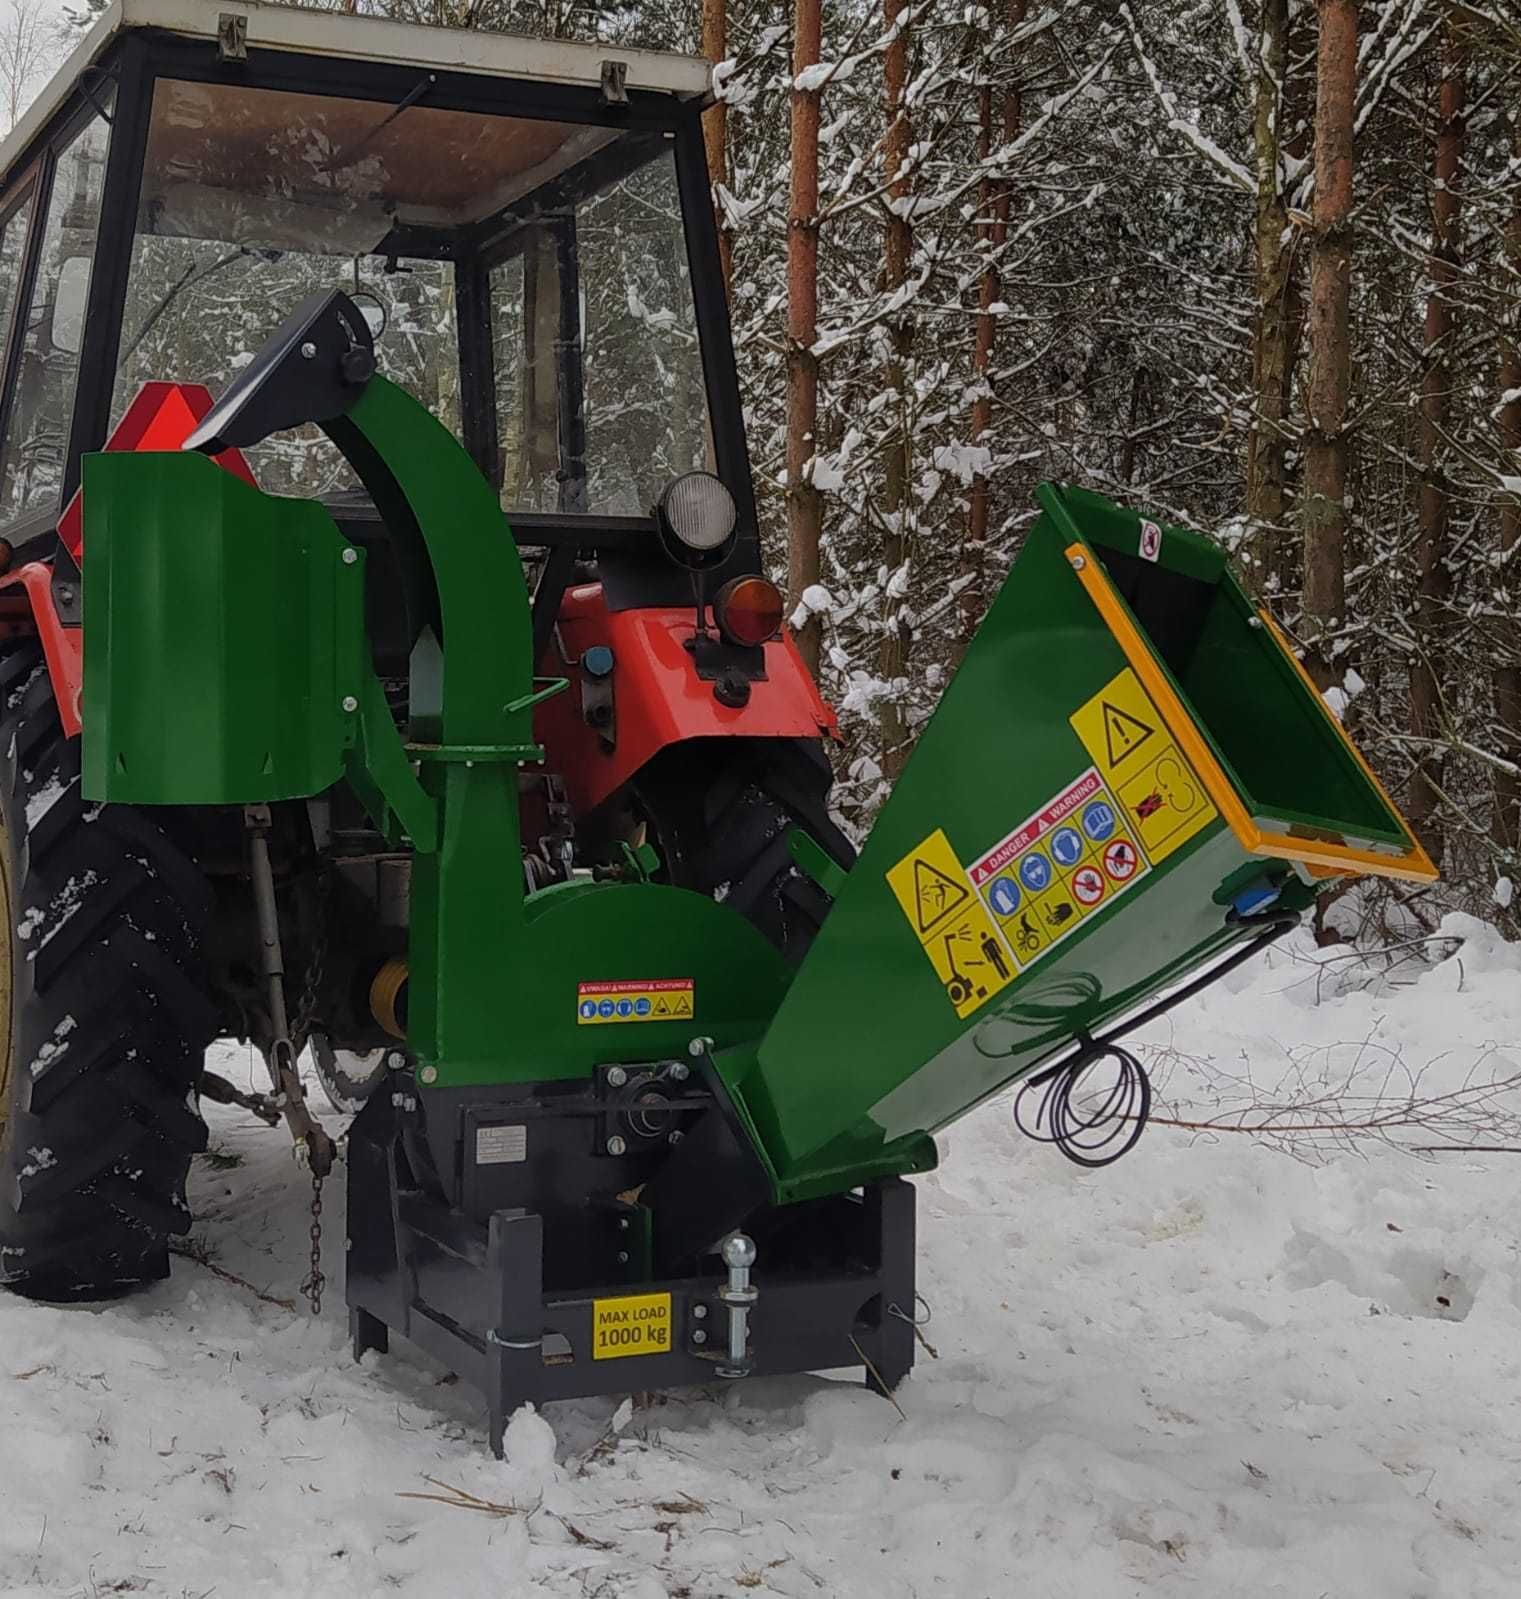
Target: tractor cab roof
{"type": "Point", "coordinates": [350, 42]}
{"type": "Point", "coordinates": [527, 224]}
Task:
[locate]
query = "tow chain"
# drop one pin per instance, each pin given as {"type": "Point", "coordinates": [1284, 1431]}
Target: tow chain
{"type": "Point", "coordinates": [312, 1142]}
{"type": "Point", "coordinates": [313, 1286]}
{"type": "Point", "coordinates": [301, 1029]}
{"type": "Point", "coordinates": [311, 987]}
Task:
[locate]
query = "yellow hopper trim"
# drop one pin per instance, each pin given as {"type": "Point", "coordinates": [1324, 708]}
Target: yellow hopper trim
{"type": "Point", "coordinates": [1320, 856]}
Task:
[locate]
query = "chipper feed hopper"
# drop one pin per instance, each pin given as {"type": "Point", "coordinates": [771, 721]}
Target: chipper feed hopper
{"type": "Point", "coordinates": [642, 1054]}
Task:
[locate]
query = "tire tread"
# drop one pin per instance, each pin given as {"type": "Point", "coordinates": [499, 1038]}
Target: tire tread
{"type": "Point", "coordinates": [110, 1017]}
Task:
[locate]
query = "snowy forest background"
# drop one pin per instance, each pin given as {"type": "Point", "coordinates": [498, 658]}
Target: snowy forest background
{"type": "Point", "coordinates": [1254, 267]}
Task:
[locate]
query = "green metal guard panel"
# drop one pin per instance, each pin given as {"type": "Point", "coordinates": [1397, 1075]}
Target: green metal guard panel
{"type": "Point", "coordinates": [219, 645]}
{"type": "Point", "coordinates": [1125, 748]}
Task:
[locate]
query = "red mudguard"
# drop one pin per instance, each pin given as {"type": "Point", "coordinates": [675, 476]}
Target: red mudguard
{"type": "Point", "coordinates": [658, 698]}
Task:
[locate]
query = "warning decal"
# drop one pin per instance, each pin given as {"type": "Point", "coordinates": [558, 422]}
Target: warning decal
{"type": "Point", "coordinates": [935, 896]}
{"type": "Point", "coordinates": [1068, 860]}
{"type": "Point", "coordinates": [1121, 860]}
{"type": "Point", "coordinates": [639, 999]}
{"type": "Point", "coordinates": [951, 924]}
{"type": "Point", "coordinates": [1124, 734]}
{"type": "Point", "coordinates": [1159, 792]}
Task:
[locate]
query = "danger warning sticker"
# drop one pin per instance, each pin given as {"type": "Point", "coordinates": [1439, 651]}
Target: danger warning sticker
{"type": "Point", "coordinates": [1012, 847]}
{"type": "Point", "coordinates": [640, 999]}
{"type": "Point", "coordinates": [951, 924]}
{"type": "Point", "coordinates": [1068, 860]}
{"type": "Point", "coordinates": [1160, 793]}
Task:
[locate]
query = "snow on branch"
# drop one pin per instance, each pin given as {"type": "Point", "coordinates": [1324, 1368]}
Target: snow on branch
{"type": "Point", "coordinates": [1191, 134]}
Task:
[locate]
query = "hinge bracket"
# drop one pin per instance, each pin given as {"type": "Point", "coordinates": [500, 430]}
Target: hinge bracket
{"type": "Point", "coordinates": [615, 83]}
{"type": "Point", "coordinates": [232, 36]}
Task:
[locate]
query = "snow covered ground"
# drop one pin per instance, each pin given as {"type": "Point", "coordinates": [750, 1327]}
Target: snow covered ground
{"type": "Point", "coordinates": [1214, 1369]}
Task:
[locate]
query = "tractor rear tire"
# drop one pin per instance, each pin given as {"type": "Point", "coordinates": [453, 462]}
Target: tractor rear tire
{"type": "Point", "coordinates": [104, 1018]}
{"type": "Point", "coordinates": [720, 811]}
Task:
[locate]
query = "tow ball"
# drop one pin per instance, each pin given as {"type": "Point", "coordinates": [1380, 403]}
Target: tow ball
{"type": "Point", "coordinates": [739, 1294]}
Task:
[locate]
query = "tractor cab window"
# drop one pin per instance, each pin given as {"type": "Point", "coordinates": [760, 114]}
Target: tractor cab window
{"type": "Point", "coordinates": [12, 243]}
{"type": "Point", "coordinates": [52, 322]}
{"type": "Point", "coordinates": [254, 198]}
{"type": "Point", "coordinates": [251, 200]}
{"type": "Point", "coordinates": [598, 374]}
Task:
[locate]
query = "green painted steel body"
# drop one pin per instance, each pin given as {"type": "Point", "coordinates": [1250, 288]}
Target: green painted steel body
{"type": "Point", "coordinates": [223, 632]}
{"type": "Point", "coordinates": [226, 663]}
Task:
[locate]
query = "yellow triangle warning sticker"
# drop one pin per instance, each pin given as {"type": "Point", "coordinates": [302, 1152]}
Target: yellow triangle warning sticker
{"type": "Point", "coordinates": [935, 895]}
{"type": "Point", "coordinates": [1160, 795]}
{"type": "Point", "coordinates": [930, 884]}
{"type": "Point", "coordinates": [954, 929]}
{"type": "Point", "coordinates": [1124, 734]}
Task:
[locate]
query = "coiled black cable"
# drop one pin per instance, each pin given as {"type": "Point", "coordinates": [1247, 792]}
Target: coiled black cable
{"type": "Point", "coordinates": [1108, 1127]}
{"type": "Point", "coordinates": [1098, 1133]}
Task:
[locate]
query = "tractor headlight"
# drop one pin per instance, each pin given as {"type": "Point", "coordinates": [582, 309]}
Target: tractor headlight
{"type": "Point", "coordinates": [697, 519]}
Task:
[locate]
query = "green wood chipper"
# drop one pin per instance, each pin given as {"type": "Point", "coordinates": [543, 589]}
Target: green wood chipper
{"type": "Point", "coordinates": [476, 759]}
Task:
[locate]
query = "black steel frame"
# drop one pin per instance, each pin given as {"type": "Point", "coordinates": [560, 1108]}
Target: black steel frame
{"type": "Point", "coordinates": [470, 1289]}
{"type": "Point", "coordinates": [139, 58]}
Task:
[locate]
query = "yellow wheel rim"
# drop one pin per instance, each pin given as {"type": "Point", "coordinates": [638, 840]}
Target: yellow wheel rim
{"type": "Point", "coordinates": [7, 922]}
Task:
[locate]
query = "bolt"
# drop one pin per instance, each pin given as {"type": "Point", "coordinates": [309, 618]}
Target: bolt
{"type": "Point", "coordinates": [616, 1077]}
{"type": "Point", "coordinates": [675, 1137]}
{"type": "Point", "coordinates": [699, 1047]}
{"type": "Point", "coordinates": [623, 1224]}
{"type": "Point", "coordinates": [616, 1145]}
{"type": "Point", "coordinates": [350, 555]}
{"type": "Point", "coordinates": [623, 1257]}
{"type": "Point", "coordinates": [396, 1060]}
{"type": "Point", "coordinates": [308, 350]}
{"type": "Point", "coordinates": [1078, 563]}
{"type": "Point", "coordinates": [699, 1336]}
{"type": "Point", "coordinates": [1254, 621]}
{"type": "Point", "coordinates": [350, 703]}
{"type": "Point", "coordinates": [429, 1074]}
{"type": "Point", "coordinates": [679, 1071]}
{"type": "Point", "coordinates": [699, 1312]}
{"type": "Point", "coordinates": [66, 593]}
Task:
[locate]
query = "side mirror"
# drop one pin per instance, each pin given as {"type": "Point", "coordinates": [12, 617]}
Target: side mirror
{"type": "Point", "coordinates": [69, 298]}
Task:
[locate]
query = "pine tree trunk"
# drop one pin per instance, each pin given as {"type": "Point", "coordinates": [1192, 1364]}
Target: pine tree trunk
{"type": "Point", "coordinates": [1274, 344]}
{"type": "Point", "coordinates": [1432, 552]}
{"type": "Point", "coordinates": [898, 495]}
{"type": "Point", "coordinates": [1330, 345]}
{"type": "Point", "coordinates": [804, 503]}
{"type": "Point", "coordinates": [993, 199]}
{"type": "Point", "coordinates": [1507, 818]}
{"type": "Point", "coordinates": [715, 130]}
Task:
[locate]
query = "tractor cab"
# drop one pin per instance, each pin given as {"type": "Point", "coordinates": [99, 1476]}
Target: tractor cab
{"type": "Point", "coordinates": [524, 224]}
